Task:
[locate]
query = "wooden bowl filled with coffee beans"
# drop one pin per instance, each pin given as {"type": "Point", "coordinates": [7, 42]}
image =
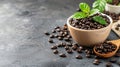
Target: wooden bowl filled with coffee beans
{"type": "Point", "coordinates": [88, 26]}
{"type": "Point", "coordinates": [107, 49]}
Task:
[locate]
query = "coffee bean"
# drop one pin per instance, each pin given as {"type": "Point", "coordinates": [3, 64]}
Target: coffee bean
{"type": "Point", "coordinates": [74, 47]}
{"type": "Point", "coordinates": [69, 44]}
{"type": "Point", "coordinates": [69, 51]}
{"type": "Point", "coordinates": [57, 27]}
{"type": "Point", "coordinates": [117, 28]}
{"type": "Point", "coordinates": [53, 47]}
{"type": "Point", "coordinates": [60, 38]}
{"type": "Point", "coordinates": [66, 39]}
{"type": "Point", "coordinates": [109, 64]}
{"type": "Point", "coordinates": [50, 41]}
{"type": "Point", "coordinates": [51, 36]}
{"type": "Point", "coordinates": [113, 60]}
{"type": "Point", "coordinates": [56, 35]}
{"type": "Point", "coordinates": [66, 47]}
{"type": "Point", "coordinates": [62, 55]}
{"type": "Point", "coordinates": [55, 51]}
{"type": "Point", "coordinates": [47, 33]}
{"type": "Point", "coordinates": [63, 44]}
{"type": "Point", "coordinates": [53, 31]}
{"type": "Point", "coordinates": [78, 57]}
{"type": "Point", "coordinates": [59, 45]}
{"type": "Point", "coordinates": [88, 56]}
{"type": "Point", "coordinates": [79, 50]}
{"type": "Point", "coordinates": [96, 62]}
{"type": "Point", "coordinates": [58, 30]}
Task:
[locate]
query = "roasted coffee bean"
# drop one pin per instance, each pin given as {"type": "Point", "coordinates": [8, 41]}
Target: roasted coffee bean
{"type": "Point", "coordinates": [55, 35]}
{"type": "Point", "coordinates": [57, 27]}
{"type": "Point", "coordinates": [88, 56]}
{"type": "Point", "coordinates": [55, 51]}
{"type": "Point", "coordinates": [69, 44]}
{"type": "Point", "coordinates": [117, 28]}
{"type": "Point", "coordinates": [47, 33]}
{"type": "Point", "coordinates": [62, 55]}
{"type": "Point", "coordinates": [53, 31]}
{"type": "Point", "coordinates": [66, 39]}
{"type": "Point", "coordinates": [113, 60]}
{"type": "Point", "coordinates": [59, 45]}
{"type": "Point", "coordinates": [66, 47]}
{"type": "Point", "coordinates": [69, 51]}
{"type": "Point", "coordinates": [50, 41]}
{"type": "Point", "coordinates": [78, 57]}
{"type": "Point", "coordinates": [58, 30]}
{"type": "Point", "coordinates": [51, 36]}
{"type": "Point", "coordinates": [79, 50]}
{"type": "Point", "coordinates": [96, 62]}
{"type": "Point", "coordinates": [74, 47]}
{"type": "Point", "coordinates": [60, 38]}
{"type": "Point", "coordinates": [68, 36]}
{"type": "Point", "coordinates": [63, 44]}
{"type": "Point", "coordinates": [109, 64]}
{"type": "Point", "coordinates": [53, 47]}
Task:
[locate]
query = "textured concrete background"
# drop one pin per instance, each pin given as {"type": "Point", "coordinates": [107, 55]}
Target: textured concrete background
{"type": "Point", "coordinates": [22, 42]}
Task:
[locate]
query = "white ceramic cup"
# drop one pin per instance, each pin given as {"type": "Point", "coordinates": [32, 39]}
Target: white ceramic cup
{"type": "Point", "coordinates": [112, 8]}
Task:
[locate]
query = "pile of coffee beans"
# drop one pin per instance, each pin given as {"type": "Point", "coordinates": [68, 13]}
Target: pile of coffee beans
{"type": "Point", "coordinates": [105, 47]}
{"type": "Point", "coordinates": [71, 48]}
{"type": "Point", "coordinates": [88, 23]}
{"type": "Point", "coordinates": [114, 16]}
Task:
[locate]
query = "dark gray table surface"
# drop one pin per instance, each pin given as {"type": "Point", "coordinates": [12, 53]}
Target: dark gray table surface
{"type": "Point", "coordinates": [22, 42]}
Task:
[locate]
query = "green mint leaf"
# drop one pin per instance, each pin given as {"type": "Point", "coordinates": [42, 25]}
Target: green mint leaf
{"type": "Point", "coordinates": [84, 7]}
{"type": "Point", "coordinates": [93, 11]}
{"type": "Point", "coordinates": [79, 15]}
{"type": "Point", "coordinates": [109, 1]}
{"type": "Point", "coordinates": [100, 20]}
{"type": "Point", "coordinates": [100, 5]}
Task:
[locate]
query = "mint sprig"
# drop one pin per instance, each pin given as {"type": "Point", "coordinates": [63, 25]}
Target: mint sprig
{"type": "Point", "coordinates": [86, 11]}
{"type": "Point", "coordinates": [100, 20]}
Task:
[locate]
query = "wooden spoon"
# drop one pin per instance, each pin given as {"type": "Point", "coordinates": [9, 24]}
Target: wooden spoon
{"type": "Point", "coordinates": [110, 54]}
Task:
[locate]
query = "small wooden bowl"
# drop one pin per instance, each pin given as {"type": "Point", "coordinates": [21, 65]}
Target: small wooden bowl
{"type": "Point", "coordinates": [110, 54]}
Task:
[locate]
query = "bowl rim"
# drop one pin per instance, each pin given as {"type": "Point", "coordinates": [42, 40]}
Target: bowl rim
{"type": "Point", "coordinates": [111, 21]}
{"type": "Point", "coordinates": [112, 5]}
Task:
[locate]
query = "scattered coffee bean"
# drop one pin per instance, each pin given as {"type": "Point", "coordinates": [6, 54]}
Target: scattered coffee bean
{"type": "Point", "coordinates": [62, 55]}
{"type": "Point", "coordinates": [69, 51]}
{"type": "Point", "coordinates": [47, 33]}
{"type": "Point", "coordinates": [57, 27]}
{"type": "Point", "coordinates": [66, 39]}
{"type": "Point", "coordinates": [51, 36]}
{"type": "Point", "coordinates": [58, 30]}
{"type": "Point", "coordinates": [50, 41]}
{"type": "Point", "coordinates": [117, 28]}
{"type": "Point", "coordinates": [53, 31]}
{"type": "Point", "coordinates": [74, 47]}
{"type": "Point", "coordinates": [78, 57]}
{"type": "Point", "coordinates": [53, 47]}
{"type": "Point", "coordinates": [59, 45]}
{"type": "Point", "coordinates": [79, 50]}
{"type": "Point", "coordinates": [66, 47]}
{"type": "Point", "coordinates": [88, 56]}
{"type": "Point", "coordinates": [113, 60]}
{"type": "Point", "coordinates": [55, 51]}
{"type": "Point", "coordinates": [60, 38]}
{"type": "Point", "coordinates": [96, 62]}
{"type": "Point", "coordinates": [109, 64]}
